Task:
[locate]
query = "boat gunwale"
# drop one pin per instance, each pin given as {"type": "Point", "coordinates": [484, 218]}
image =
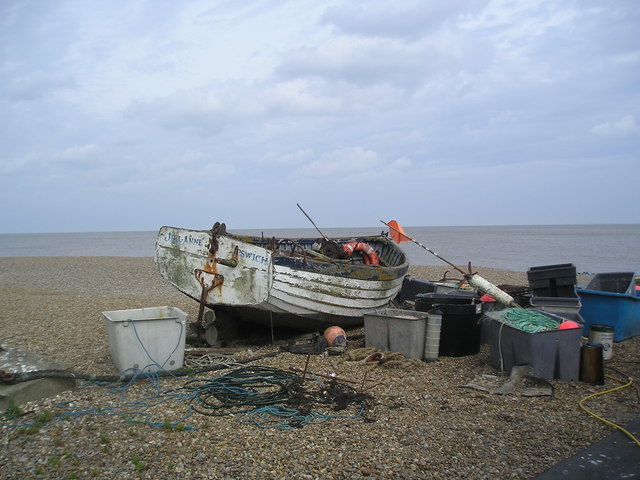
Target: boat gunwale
{"type": "Point", "coordinates": [298, 262]}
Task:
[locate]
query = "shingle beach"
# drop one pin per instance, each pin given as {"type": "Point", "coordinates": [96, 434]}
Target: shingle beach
{"type": "Point", "coordinates": [419, 421]}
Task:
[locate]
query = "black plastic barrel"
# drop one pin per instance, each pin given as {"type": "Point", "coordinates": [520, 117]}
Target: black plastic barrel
{"type": "Point", "coordinates": [461, 330]}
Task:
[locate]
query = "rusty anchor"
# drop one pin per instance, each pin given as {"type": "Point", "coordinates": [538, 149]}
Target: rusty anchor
{"type": "Point", "coordinates": [216, 281]}
{"type": "Point", "coordinates": [209, 279]}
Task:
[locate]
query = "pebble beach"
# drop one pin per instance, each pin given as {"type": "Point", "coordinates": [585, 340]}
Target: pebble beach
{"type": "Point", "coordinates": [419, 421]}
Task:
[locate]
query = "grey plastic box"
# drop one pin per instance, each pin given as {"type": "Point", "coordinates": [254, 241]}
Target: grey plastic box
{"type": "Point", "coordinates": [396, 330]}
{"type": "Point", "coordinates": [553, 355]}
{"type": "Point", "coordinates": [565, 307]}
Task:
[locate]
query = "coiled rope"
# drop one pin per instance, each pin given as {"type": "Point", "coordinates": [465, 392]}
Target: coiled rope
{"type": "Point", "coordinates": [273, 398]}
{"type": "Point", "coordinates": [240, 390]}
{"type": "Point", "coordinates": [530, 321]}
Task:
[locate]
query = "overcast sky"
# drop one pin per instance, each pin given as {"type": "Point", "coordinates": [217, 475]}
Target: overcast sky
{"type": "Point", "coordinates": [129, 115]}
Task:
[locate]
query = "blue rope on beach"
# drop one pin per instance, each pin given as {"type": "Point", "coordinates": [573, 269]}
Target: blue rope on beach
{"type": "Point", "coordinates": [132, 411]}
{"type": "Point", "coordinates": [259, 396]}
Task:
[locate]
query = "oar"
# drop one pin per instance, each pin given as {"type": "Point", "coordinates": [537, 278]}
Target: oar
{"type": "Point", "coordinates": [474, 279]}
{"type": "Point", "coordinates": [312, 222]}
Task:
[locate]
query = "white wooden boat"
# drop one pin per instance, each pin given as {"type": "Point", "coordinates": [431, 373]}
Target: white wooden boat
{"type": "Point", "coordinates": [305, 284]}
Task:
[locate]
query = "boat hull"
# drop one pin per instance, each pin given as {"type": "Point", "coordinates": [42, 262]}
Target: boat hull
{"type": "Point", "coordinates": [251, 283]}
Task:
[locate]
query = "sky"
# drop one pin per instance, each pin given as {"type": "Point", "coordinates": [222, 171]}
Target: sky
{"type": "Point", "coordinates": [130, 115]}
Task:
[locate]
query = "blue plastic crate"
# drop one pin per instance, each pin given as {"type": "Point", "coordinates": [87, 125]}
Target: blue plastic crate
{"type": "Point", "coordinates": [619, 310]}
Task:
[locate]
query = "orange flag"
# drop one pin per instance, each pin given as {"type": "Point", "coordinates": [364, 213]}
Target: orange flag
{"type": "Point", "coordinates": [397, 232]}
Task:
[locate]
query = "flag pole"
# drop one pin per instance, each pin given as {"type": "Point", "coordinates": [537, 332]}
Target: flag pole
{"type": "Point", "coordinates": [425, 247]}
{"type": "Point", "coordinates": [474, 279]}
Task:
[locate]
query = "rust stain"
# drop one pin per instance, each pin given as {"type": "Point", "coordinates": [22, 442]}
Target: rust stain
{"type": "Point", "coordinates": [210, 266]}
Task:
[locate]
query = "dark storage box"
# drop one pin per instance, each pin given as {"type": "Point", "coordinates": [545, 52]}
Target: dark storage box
{"type": "Point", "coordinates": [552, 354]}
{"type": "Point", "coordinates": [412, 287]}
{"type": "Point", "coordinates": [553, 280]}
{"type": "Point", "coordinates": [617, 282]}
{"type": "Point", "coordinates": [461, 330]}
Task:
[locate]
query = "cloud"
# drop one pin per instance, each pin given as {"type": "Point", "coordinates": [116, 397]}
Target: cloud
{"type": "Point", "coordinates": [627, 58]}
{"type": "Point", "coordinates": [366, 61]}
{"type": "Point", "coordinates": [407, 20]}
{"type": "Point", "coordinates": [36, 86]}
{"type": "Point", "coordinates": [288, 159]}
{"type": "Point", "coordinates": [351, 163]}
{"type": "Point", "coordinates": [49, 164]}
{"type": "Point", "coordinates": [77, 152]}
{"type": "Point", "coordinates": [319, 98]}
{"type": "Point", "coordinates": [202, 110]}
{"type": "Point", "coordinates": [20, 165]}
{"type": "Point", "coordinates": [302, 97]}
{"type": "Point", "coordinates": [623, 127]}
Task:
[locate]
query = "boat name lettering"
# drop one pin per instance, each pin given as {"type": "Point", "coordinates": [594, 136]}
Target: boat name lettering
{"type": "Point", "coordinates": [182, 239]}
{"type": "Point", "coordinates": [252, 256]}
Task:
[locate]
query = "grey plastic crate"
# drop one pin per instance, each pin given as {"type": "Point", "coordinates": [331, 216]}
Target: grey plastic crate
{"type": "Point", "coordinates": [396, 330]}
{"type": "Point", "coordinates": [565, 307]}
{"type": "Point", "coordinates": [553, 355]}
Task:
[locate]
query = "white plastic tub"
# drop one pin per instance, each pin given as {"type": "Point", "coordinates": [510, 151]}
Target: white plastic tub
{"type": "Point", "coordinates": [146, 339]}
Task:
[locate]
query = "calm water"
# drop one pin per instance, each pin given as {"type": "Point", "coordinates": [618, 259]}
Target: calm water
{"type": "Point", "coordinates": [591, 248]}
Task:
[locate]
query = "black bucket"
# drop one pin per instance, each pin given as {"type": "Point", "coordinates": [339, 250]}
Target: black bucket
{"type": "Point", "coordinates": [461, 330]}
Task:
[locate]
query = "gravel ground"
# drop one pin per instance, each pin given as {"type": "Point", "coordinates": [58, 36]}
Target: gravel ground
{"type": "Point", "coordinates": [419, 421]}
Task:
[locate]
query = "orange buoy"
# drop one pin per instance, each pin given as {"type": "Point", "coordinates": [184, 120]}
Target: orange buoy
{"type": "Point", "coordinates": [335, 336]}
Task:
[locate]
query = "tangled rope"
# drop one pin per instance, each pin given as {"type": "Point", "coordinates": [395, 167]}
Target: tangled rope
{"type": "Point", "coordinates": [240, 390]}
{"type": "Point", "coordinates": [272, 398]}
{"type": "Point", "coordinates": [373, 356]}
{"type": "Point", "coordinates": [207, 359]}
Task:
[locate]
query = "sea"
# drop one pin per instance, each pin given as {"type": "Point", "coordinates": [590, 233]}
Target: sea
{"type": "Point", "coordinates": [590, 248]}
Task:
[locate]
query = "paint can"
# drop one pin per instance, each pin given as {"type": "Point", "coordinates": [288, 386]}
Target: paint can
{"type": "Point", "coordinates": [602, 334]}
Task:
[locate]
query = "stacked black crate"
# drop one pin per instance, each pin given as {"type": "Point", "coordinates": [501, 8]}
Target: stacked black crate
{"type": "Point", "coordinates": [553, 290]}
